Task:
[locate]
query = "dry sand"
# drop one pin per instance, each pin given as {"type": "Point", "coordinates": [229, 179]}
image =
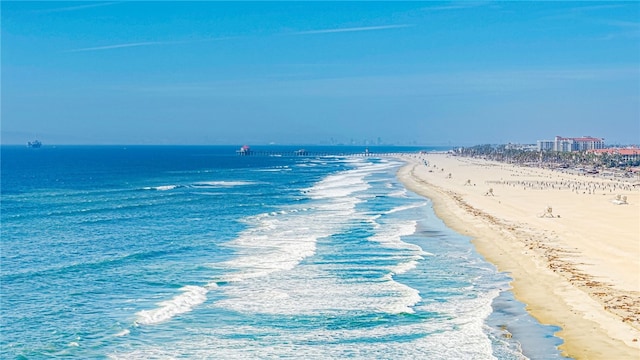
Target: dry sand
{"type": "Point", "coordinates": [574, 254]}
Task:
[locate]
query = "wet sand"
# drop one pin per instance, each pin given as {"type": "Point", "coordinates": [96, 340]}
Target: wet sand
{"type": "Point", "coordinates": [570, 242]}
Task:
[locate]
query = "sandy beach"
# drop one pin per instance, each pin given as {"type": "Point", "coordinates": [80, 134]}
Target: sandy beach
{"type": "Point", "coordinates": [570, 242]}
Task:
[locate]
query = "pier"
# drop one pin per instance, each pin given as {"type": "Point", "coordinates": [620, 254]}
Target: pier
{"type": "Point", "coordinates": [246, 151]}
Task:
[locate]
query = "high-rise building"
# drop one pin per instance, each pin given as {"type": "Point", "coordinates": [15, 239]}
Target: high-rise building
{"type": "Point", "coordinates": [564, 144]}
{"type": "Point", "coordinates": [545, 145]}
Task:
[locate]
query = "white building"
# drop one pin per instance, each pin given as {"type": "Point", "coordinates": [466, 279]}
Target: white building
{"type": "Point", "coordinates": [563, 144]}
{"type": "Point", "coordinates": [545, 145]}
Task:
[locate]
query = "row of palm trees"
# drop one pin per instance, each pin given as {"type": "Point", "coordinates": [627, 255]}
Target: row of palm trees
{"type": "Point", "coordinates": [548, 158]}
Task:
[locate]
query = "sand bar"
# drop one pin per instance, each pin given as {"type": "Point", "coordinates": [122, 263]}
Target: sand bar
{"type": "Point", "coordinates": [570, 242]}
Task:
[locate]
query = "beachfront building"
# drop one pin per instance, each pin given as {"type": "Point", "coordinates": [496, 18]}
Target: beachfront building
{"type": "Point", "coordinates": [587, 143]}
{"type": "Point", "coordinates": [545, 145]}
{"type": "Point", "coordinates": [624, 154]}
{"type": "Point", "coordinates": [526, 147]}
{"type": "Point", "coordinates": [563, 144]}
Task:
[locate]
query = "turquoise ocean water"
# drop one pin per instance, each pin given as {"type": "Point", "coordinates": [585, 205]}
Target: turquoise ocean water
{"type": "Point", "coordinates": [197, 253]}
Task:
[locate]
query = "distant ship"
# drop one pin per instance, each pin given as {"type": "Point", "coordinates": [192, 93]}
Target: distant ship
{"type": "Point", "coordinates": [34, 144]}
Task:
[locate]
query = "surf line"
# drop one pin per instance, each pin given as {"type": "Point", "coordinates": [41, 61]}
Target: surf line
{"type": "Point", "coordinates": [190, 297]}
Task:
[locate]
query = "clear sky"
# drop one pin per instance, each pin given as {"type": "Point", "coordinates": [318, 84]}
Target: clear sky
{"type": "Point", "coordinates": [438, 73]}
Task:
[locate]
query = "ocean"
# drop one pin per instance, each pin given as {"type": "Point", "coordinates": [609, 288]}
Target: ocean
{"type": "Point", "coordinates": [196, 252]}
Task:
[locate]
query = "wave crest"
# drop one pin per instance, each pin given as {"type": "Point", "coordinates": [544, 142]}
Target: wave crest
{"type": "Point", "coordinates": [191, 296]}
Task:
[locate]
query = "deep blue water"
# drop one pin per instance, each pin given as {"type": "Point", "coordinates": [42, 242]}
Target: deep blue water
{"type": "Point", "coordinates": [195, 252]}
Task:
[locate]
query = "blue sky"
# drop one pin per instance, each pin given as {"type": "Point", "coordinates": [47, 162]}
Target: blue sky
{"type": "Point", "coordinates": [436, 73]}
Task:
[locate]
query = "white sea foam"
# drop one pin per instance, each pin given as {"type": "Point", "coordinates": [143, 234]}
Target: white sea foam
{"type": "Point", "coordinates": [161, 188]}
{"type": "Point", "coordinates": [124, 332]}
{"type": "Point", "coordinates": [403, 267]}
{"type": "Point", "coordinates": [468, 315]}
{"type": "Point", "coordinates": [406, 207]}
{"type": "Point", "coordinates": [444, 337]}
{"type": "Point", "coordinates": [190, 297]}
{"type": "Point", "coordinates": [391, 234]}
{"type": "Point", "coordinates": [265, 275]}
{"type": "Point", "coordinates": [399, 194]}
{"type": "Point", "coordinates": [311, 290]}
{"type": "Point", "coordinates": [274, 169]}
{"type": "Point", "coordinates": [314, 290]}
{"type": "Point", "coordinates": [280, 240]}
{"type": "Point", "coordinates": [222, 183]}
{"type": "Point", "coordinates": [336, 186]}
{"type": "Point", "coordinates": [345, 183]}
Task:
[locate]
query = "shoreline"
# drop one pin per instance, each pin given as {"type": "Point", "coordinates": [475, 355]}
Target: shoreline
{"type": "Point", "coordinates": [575, 264]}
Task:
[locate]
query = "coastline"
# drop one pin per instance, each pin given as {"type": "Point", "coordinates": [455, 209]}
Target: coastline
{"type": "Point", "coordinates": [573, 253]}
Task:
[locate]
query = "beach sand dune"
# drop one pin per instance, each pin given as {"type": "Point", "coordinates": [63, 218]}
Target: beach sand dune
{"type": "Point", "coordinates": [571, 242]}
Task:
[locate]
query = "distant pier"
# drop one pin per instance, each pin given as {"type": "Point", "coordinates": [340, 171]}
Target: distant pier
{"type": "Point", "coordinates": [246, 151]}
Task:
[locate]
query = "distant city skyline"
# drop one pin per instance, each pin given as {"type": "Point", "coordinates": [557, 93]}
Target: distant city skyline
{"type": "Point", "coordinates": [404, 73]}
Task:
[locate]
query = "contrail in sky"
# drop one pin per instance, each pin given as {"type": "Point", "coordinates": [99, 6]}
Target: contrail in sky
{"type": "Point", "coordinates": [323, 31]}
{"type": "Point", "coordinates": [117, 46]}
{"type": "Point", "coordinates": [80, 7]}
{"type": "Point", "coordinates": [149, 43]}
